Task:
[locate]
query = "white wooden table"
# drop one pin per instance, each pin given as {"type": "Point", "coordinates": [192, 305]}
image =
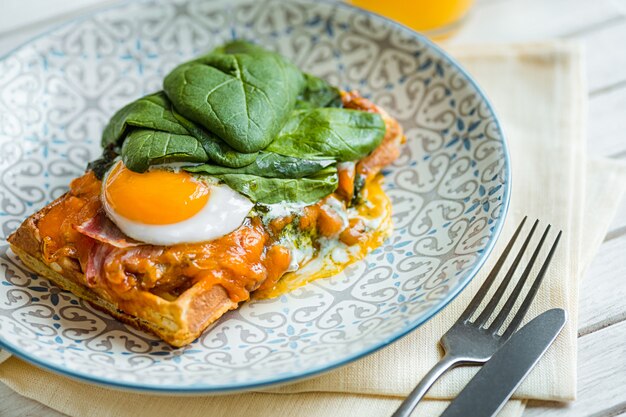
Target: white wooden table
{"type": "Point", "coordinates": [601, 26]}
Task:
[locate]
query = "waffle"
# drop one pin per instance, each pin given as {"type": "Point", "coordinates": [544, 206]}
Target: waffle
{"type": "Point", "coordinates": [178, 322]}
{"type": "Point", "coordinates": [181, 315]}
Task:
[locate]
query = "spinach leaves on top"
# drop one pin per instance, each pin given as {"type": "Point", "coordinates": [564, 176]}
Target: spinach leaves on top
{"type": "Point", "coordinates": [340, 134]}
{"type": "Point", "coordinates": [268, 164]}
{"type": "Point", "coordinates": [150, 112]}
{"type": "Point", "coordinates": [240, 92]}
{"type": "Point", "coordinates": [155, 112]}
{"type": "Point", "coordinates": [276, 190]}
{"type": "Point", "coordinates": [317, 92]}
{"type": "Point", "coordinates": [144, 147]}
{"type": "Point", "coordinates": [248, 117]}
{"type": "Point", "coordinates": [218, 151]}
{"type": "Point", "coordinates": [273, 178]}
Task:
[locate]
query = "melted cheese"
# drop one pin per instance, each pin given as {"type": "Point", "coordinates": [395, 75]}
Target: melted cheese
{"type": "Point", "coordinates": [334, 256]}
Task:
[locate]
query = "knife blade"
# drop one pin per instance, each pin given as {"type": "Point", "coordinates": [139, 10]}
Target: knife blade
{"type": "Point", "coordinates": [496, 381]}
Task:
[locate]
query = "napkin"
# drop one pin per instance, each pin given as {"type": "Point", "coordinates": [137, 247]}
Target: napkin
{"type": "Point", "coordinates": [539, 93]}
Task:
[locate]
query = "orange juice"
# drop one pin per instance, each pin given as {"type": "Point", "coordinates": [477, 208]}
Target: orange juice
{"type": "Point", "coordinates": [433, 17]}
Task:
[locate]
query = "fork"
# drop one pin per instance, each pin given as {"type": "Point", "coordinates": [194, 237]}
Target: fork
{"type": "Point", "coordinates": [470, 342]}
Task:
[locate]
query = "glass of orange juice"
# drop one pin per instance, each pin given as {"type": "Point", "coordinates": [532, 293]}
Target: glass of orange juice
{"type": "Point", "coordinates": [436, 19]}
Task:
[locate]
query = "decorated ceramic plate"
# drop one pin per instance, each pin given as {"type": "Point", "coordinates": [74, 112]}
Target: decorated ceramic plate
{"type": "Point", "coordinates": [449, 189]}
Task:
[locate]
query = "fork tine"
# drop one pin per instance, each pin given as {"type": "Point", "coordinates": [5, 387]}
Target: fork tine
{"type": "Point", "coordinates": [478, 298]}
{"type": "Point", "coordinates": [519, 316]}
{"type": "Point", "coordinates": [510, 302]}
{"type": "Point", "coordinates": [497, 296]}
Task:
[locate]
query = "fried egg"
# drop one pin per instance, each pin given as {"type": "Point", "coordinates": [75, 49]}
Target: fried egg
{"type": "Point", "coordinates": [165, 207]}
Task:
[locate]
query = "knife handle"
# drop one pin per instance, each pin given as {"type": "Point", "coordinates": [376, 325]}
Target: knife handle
{"type": "Point", "coordinates": [446, 363]}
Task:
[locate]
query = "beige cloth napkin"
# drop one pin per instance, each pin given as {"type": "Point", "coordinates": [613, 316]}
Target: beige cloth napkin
{"type": "Point", "coordinates": [538, 91]}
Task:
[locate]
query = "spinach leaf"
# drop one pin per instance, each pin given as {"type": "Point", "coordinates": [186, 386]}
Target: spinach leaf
{"type": "Point", "coordinates": [239, 92]}
{"type": "Point", "coordinates": [269, 165]}
{"type": "Point", "coordinates": [217, 150]}
{"type": "Point", "coordinates": [253, 120]}
{"type": "Point", "coordinates": [329, 133]}
{"type": "Point", "coordinates": [157, 113]}
{"type": "Point", "coordinates": [150, 112]}
{"type": "Point", "coordinates": [144, 147]}
{"type": "Point", "coordinates": [318, 93]}
{"type": "Point", "coordinates": [276, 190]}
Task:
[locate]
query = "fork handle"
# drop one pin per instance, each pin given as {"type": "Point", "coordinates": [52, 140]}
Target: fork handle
{"type": "Point", "coordinates": [409, 403]}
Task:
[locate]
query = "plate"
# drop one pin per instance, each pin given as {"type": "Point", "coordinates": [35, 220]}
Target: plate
{"type": "Point", "coordinates": [449, 189]}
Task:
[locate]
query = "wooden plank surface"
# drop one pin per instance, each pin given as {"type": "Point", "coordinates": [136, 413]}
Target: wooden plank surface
{"type": "Point", "coordinates": [606, 132]}
{"type": "Point", "coordinates": [618, 226]}
{"type": "Point", "coordinates": [601, 26]}
{"type": "Point", "coordinates": [606, 56]}
{"type": "Point", "coordinates": [16, 29]}
{"type": "Point", "coordinates": [17, 15]}
{"type": "Point", "coordinates": [14, 405]}
{"type": "Point", "coordinates": [601, 378]}
{"type": "Point", "coordinates": [525, 20]}
{"type": "Point", "coordinates": [603, 291]}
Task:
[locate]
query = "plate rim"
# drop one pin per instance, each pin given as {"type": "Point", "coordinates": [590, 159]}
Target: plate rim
{"type": "Point", "coordinates": [295, 376]}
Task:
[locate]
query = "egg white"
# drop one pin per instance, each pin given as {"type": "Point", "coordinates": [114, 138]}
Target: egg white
{"type": "Point", "coordinates": [223, 213]}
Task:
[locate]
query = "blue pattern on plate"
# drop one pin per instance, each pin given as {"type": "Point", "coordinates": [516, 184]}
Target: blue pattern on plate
{"type": "Point", "coordinates": [449, 189]}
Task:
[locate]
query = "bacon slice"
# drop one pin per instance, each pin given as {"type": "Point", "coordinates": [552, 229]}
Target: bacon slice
{"type": "Point", "coordinates": [98, 253]}
{"type": "Point", "coordinates": [389, 150]}
{"type": "Point", "coordinates": [103, 230]}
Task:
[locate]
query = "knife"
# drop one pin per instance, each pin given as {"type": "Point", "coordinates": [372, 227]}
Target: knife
{"type": "Point", "coordinates": [496, 381]}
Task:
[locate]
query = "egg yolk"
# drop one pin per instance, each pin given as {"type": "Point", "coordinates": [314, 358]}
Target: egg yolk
{"type": "Point", "coordinates": [154, 197]}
